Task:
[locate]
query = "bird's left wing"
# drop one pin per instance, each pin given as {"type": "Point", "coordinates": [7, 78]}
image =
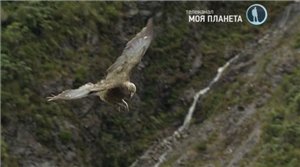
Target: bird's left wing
{"type": "Point", "coordinates": [132, 54]}
{"type": "Point", "coordinates": [80, 92]}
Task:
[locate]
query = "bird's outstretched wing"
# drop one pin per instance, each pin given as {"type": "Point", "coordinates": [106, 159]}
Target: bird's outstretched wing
{"type": "Point", "coordinates": [80, 92]}
{"type": "Point", "coordinates": [117, 72]}
{"type": "Point", "coordinates": [132, 54]}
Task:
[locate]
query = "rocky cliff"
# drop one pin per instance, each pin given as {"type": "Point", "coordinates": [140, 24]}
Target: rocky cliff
{"type": "Point", "coordinates": [249, 117]}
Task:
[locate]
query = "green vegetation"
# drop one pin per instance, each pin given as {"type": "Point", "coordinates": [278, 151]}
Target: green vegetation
{"type": "Point", "coordinates": [279, 140]}
{"type": "Point", "coordinates": [51, 46]}
{"type": "Point", "coordinates": [281, 137]}
{"type": "Point", "coordinates": [65, 136]}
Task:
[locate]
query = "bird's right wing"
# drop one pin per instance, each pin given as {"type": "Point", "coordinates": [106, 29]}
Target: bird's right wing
{"type": "Point", "coordinates": [78, 93]}
{"type": "Point", "coordinates": [132, 54]}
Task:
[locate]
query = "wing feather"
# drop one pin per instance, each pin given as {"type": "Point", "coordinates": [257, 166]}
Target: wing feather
{"type": "Point", "coordinates": [132, 54]}
{"type": "Point", "coordinates": [78, 93]}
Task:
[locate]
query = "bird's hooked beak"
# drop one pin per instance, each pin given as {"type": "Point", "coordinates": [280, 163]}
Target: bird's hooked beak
{"type": "Point", "coordinates": [131, 94]}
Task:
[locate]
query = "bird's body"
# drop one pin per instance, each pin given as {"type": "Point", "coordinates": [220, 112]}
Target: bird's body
{"type": "Point", "coordinates": [116, 87]}
{"type": "Point", "coordinates": [117, 94]}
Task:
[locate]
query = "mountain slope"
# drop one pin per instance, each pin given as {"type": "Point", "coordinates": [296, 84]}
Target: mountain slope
{"type": "Point", "coordinates": [253, 111]}
{"type": "Point", "coordinates": [47, 47]}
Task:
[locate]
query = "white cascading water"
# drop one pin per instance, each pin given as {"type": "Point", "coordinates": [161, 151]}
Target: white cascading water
{"type": "Point", "coordinates": [202, 92]}
{"type": "Point", "coordinates": [166, 144]}
{"type": "Point", "coordinates": [189, 115]}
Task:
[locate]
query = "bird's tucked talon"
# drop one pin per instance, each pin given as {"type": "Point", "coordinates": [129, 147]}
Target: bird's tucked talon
{"type": "Point", "coordinates": [122, 106]}
{"type": "Point", "coordinates": [126, 105]}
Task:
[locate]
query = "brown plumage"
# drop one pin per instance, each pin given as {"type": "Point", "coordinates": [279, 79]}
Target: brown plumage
{"type": "Point", "coordinates": [116, 87]}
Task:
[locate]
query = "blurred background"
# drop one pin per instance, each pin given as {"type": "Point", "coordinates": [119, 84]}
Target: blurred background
{"type": "Point", "coordinates": [47, 47]}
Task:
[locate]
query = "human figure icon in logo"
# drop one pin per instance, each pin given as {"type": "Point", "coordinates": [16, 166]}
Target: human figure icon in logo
{"type": "Point", "coordinates": [254, 15]}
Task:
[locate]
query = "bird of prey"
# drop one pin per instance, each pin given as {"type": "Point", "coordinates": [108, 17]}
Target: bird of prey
{"type": "Point", "coordinates": [116, 87]}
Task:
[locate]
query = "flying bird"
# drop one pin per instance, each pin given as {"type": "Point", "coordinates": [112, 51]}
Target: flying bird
{"type": "Point", "coordinates": [116, 87]}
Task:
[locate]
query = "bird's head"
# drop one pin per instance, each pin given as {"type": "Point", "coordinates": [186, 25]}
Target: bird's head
{"type": "Point", "coordinates": [131, 88]}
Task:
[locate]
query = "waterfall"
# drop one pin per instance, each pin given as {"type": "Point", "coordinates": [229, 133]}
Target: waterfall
{"type": "Point", "coordinates": [202, 92]}
{"type": "Point", "coordinates": [163, 148]}
{"type": "Point", "coordinates": [189, 115]}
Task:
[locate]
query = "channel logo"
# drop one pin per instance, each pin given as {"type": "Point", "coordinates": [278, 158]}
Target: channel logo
{"type": "Point", "coordinates": [256, 14]}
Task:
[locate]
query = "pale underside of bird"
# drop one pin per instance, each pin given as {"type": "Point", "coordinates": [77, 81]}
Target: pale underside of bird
{"type": "Point", "coordinates": [116, 87]}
